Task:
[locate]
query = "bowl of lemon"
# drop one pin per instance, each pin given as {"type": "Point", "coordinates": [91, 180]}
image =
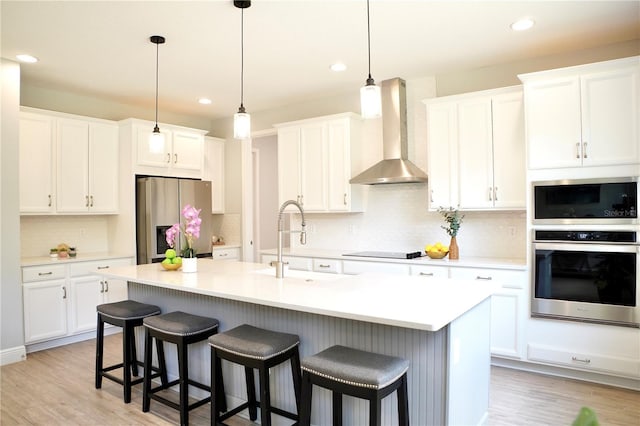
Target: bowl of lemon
{"type": "Point", "coordinates": [436, 251]}
{"type": "Point", "coordinates": [171, 262]}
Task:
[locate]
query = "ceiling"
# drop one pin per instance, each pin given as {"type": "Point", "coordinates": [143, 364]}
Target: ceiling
{"type": "Point", "coordinates": [102, 48]}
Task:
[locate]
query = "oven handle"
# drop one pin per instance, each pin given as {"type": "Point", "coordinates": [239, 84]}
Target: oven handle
{"type": "Point", "coordinates": [588, 247]}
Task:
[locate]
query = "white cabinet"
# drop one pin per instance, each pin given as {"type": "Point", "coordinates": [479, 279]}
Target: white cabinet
{"type": "Point", "coordinates": [315, 163]}
{"type": "Point", "coordinates": [430, 271]}
{"type": "Point", "coordinates": [294, 262]}
{"type": "Point", "coordinates": [227, 253]}
{"type": "Point", "coordinates": [477, 150]}
{"type": "Point", "coordinates": [332, 266]}
{"type": "Point", "coordinates": [583, 116]}
{"type": "Point", "coordinates": [68, 164]}
{"type": "Point", "coordinates": [87, 166]}
{"type": "Point", "coordinates": [183, 154]}
{"type": "Point", "coordinates": [37, 163]}
{"type": "Point", "coordinates": [45, 301]}
{"type": "Point", "coordinates": [509, 308]}
{"type": "Point", "coordinates": [214, 172]}
{"type": "Point", "coordinates": [354, 267]}
{"type": "Point", "coordinates": [587, 347]}
{"type": "Point", "coordinates": [60, 299]}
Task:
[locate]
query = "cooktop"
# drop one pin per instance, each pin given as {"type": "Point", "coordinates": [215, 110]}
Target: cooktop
{"type": "Point", "coordinates": [386, 254]}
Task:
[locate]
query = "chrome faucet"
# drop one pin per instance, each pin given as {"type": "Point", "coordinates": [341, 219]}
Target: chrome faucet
{"type": "Point", "coordinates": [279, 264]}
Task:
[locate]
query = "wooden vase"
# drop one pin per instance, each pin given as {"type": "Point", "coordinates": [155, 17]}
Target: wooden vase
{"type": "Point", "coordinates": [454, 251]}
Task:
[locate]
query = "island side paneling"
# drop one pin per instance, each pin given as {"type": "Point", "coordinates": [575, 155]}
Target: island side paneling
{"type": "Point", "coordinates": [427, 352]}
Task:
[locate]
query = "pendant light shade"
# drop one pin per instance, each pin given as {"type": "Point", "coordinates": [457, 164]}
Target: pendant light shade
{"type": "Point", "coordinates": [156, 139]}
{"type": "Point", "coordinates": [370, 98]}
{"type": "Point", "coordinates": [241, 119]}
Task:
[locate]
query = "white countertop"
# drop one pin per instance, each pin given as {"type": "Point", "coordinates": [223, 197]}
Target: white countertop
{"type": "Point", "coordinates": [404, 301]}
{"type": "Point", "coordinates": [80, 257]}
{"type": "Point", "coordinates": [469, 262]}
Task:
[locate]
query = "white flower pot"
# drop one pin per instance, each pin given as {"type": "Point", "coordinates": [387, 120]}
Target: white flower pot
{"type": "Point", "coordinates": [189, 264]}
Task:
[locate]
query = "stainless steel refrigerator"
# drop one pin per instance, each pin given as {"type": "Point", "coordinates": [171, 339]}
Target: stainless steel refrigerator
{"type": "Point", "coordinates": [159, 203]}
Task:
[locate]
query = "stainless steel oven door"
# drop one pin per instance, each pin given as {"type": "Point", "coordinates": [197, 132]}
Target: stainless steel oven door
{"type": "Point", "coordinates": [586, 282]}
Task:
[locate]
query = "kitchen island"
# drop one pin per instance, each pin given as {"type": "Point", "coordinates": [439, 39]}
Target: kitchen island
{"type": "Point", "coordinates": [441, 325]}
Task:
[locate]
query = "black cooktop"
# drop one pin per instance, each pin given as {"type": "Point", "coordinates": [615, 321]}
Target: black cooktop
{"type": "Point", "coordinates": [386, 254]}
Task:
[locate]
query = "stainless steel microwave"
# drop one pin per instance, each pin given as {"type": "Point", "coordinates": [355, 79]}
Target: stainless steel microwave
{"type": "Point", "coordinates": [586, 201]}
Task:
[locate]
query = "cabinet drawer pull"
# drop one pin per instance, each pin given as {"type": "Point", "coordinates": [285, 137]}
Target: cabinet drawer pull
{"type": "Point", "coordinates": [101, 286]}
{"type": "Point", "coordinates": [490, 194]}
{"type": "Point", "coordinates": [103, 267]}
{"type": "Point", "coordinates": [49, 200]}
{"type": "Point", "coordinates": [106, 286]}
{"type": "Point", "coordinates": [427, 274]}
{"type": "Point", "coordinates": [495, 193]}
{"type": "Point", "coordinates": [168, 158]}
{"type": "Point", "coordinates": [175, 158]}
{"type": "Point", "coordinates": [324, 266]}
{"type": "Point", "coordinates": [42, 274]}
{"type": "Point", "coordinates": [584, 150]}
{"type": "Point", "coordinates": [90, 200]}
{"type": "Point", "coordinates": [345, 199]}
{"type": "Point", "coordinates": [578, 150]}
{"type": "Point", "coordinates": [223, 254]}
{"type": "Point", "coordinates": [431, 196]}
{"type": "Point", "coordinates": [581, 360]}
{"type": "Point", "coordinates": [86, 201]}
{"type": "Point", "coordinates": [483, 278]}
{"type": "Point", "coordinates": [64, 292]}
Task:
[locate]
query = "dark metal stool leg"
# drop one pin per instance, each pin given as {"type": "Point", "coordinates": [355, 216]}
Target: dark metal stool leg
{"type": "Point", "coordinates": [375, 412]}
{"type": "Point", "coordinates": [295, 374]}
{"type": "Point", "coordinates": [146, 383]}
{"type": "Point", "coordinates": [99, 351]}
{"type": "Point", "coordinates": [337, 408]}
{"type": "Point", "coordinates": [403, 403]}
{"type": "Point", "coordinates": [251, 393]}
{"type": "Point", "coordinates": [265, 396]}
{"type": "Point", "coordinates": [305, 405]}
{"type": "Point", "coordinates": [183, 366]}
{"type": "Point", "coordinates": [134, 354]}
{"type": "Point", "coordinates": [126, 362]}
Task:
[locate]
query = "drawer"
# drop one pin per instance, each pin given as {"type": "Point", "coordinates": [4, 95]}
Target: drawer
{"type": "Point", "coordinates": [327, 265]}
{"type": "Point", "coordinates": [353, 267]}
{"type": "Point", "coordinates": [430, 271]}
{"type": "Point", "coordinates": [226, 254]}
{"type": "Point", "coordinates": [298, 263]}
{"type": "Point", "coordinates": [42, 273]}
{"type": "Point", "coordinates": [95, 266]}
{"type": "Point", "coordinates": [583, 361]}
{"type": "Point", "coordinates": [507, 278]}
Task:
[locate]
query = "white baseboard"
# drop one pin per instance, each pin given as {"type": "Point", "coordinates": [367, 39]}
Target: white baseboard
{"type": "Point", "coordinates": [54, 343]}
{"type": "Point", "coordinates": [11, 355]}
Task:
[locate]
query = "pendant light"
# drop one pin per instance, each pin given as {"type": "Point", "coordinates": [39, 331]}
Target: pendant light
{"type": "Point", "coordinates": [370, 98]}
{"type": "Point", "coordinates": [241, 120]}
{"type": "Point", "coordinates": [156, 139]}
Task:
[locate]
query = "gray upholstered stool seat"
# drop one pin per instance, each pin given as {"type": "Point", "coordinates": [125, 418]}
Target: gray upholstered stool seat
{"type": "Point", "coordinates": [127, 314]}
{"type": "Point", "coordinates": [358, 373]}
{"type": "Point", "coordinates": [261, 349]}
{"type": "Point", "coordinates": [181, 329]}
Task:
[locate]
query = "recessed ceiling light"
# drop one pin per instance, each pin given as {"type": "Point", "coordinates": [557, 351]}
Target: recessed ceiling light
{"type": "Point", "coordinates": [27, 58]}
{"type": "Point", "coordinates": [204, 101]}
{"type": "Point", "coordinates": [338, 66]}
{"type": "Point", "coordinates": [522, 24]}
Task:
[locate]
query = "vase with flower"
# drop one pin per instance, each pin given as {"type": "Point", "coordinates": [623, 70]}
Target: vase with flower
{"type": "Point", "coordinates": [191, 232]}
{"type": "Point", "coordinates": [454, 220]}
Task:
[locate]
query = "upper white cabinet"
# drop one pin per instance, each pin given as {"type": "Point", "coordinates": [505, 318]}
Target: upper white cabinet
{"type": "Point", "coordinates": [583, 116]}
{"type": "Point", "coordinates": [214, 172]}
{"type": "Point", "coordinates": [68, 164]}
{"type": "Point", "coordinates": [87, 172]}
{"type": "Point", "coordinates": [183, 154]}
{"type": "Point", "coordinates": [476, 150]}
{"type": "Point", "coordinates": [37, 163]}
{"type": "Point", "coordinates": [315, 163]}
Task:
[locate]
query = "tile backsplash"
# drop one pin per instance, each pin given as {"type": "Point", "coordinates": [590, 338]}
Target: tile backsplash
{"type": "Point", "coordinates": [89, 234]}
{"type": "Point", "coordinates": [397, 219]}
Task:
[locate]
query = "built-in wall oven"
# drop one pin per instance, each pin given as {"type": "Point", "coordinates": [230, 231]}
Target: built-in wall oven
{"type": "Point", "coordinates": [586, 275]}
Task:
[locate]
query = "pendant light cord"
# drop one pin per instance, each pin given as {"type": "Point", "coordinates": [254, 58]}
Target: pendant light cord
{"type": "Point", "coordinates": [242, 59]}
{"type": "Point", "coordinates": [157, 62]}
{"type": "Point", "coordinates": [369, 38]}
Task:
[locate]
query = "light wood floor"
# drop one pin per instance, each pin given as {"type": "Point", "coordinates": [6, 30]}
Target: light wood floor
{"type": "Point", "coordinates": [56, 387]}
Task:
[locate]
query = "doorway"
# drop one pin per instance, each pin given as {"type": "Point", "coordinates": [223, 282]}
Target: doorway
{"type": "Point", "coordinates": [264, 156]}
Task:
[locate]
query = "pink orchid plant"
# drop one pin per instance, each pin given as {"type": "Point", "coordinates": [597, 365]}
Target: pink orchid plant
{"type": "Point", "coordinates": [191, 230]}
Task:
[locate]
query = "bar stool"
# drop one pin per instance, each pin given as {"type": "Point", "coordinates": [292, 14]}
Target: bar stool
{"type": "Point", "coordinates": [357, 373]}
{"type": "Point", "coordinates": [181, 329]}
{"type": "Point", "coordinates": [126, 314]}
{"type": "Point", "coordinates": [261, 349]}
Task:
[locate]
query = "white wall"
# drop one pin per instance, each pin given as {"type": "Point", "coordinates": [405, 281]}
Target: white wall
{"type": "Point", "coordinates": [268, 190]}
{"type": "Point", "coordinates": [11, 328]}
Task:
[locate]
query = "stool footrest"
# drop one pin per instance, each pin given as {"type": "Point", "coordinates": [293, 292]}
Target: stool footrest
{"type": "Point", "coordinates": [234, 411]}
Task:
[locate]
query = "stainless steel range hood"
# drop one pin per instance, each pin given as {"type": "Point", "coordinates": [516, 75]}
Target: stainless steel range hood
{"type": "Point", "coordinates": [395, 167]}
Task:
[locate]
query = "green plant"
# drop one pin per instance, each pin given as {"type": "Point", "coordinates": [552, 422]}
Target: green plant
{"type": "Point", "coordinates": [453, 218]}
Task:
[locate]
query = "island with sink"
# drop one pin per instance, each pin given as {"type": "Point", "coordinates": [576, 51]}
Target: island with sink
{"type": "Point", "coordinates": [442, 326]}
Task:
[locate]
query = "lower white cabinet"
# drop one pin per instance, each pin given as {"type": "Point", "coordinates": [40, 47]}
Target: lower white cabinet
{"type": "Point", "coordinates": [430, 271]}
{"type": "Point", "coordinates": [332, 266]}
{"type": "Point", "coordinates": [508, 308]}
{"type": "Point", "coordinates": [60, 300]}
{"type": "Point", "coordinates": [45, 310]}
{"type": "Point", "coordinates": [354, 267]}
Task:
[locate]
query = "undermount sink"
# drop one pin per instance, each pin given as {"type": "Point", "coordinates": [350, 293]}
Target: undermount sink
{"type": "Point", "coordinates": [301, 275]}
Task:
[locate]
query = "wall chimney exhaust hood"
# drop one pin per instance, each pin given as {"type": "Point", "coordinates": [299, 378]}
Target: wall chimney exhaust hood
{"type": "Point", "coordinates": [395, 167]}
